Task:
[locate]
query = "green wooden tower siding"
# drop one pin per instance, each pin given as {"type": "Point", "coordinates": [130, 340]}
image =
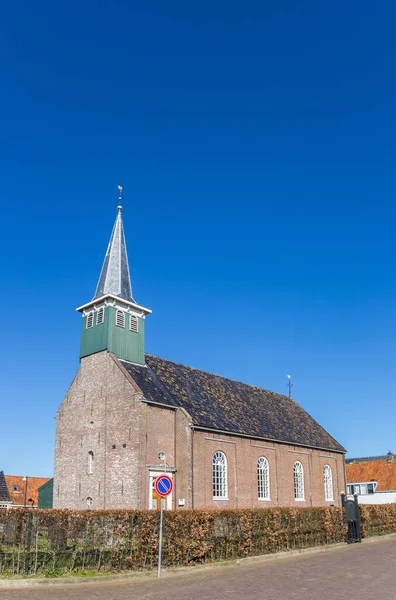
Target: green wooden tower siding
{"type": "Point", "coordinates": [121, 341]}
{"type": "Point", "coordinates": [45, 493]}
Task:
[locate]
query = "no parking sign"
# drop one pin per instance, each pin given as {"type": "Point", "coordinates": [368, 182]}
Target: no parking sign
{"type": "Point", "coordinates": [163, 485]}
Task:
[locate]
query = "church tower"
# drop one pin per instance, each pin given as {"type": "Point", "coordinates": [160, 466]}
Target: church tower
{"type": "Point", "coordinates": [113, 321]}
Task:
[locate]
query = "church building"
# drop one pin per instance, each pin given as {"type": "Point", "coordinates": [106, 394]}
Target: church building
{"type": "Point", "coordinates": [129, 416]}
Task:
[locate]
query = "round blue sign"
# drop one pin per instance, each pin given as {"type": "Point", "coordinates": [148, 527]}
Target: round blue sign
{"type": "Point", "coordinates": [163, 485]}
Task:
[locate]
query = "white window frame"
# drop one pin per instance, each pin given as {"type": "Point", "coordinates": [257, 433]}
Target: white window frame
{"type": "Point", "coordinates": [328, 483]}
{"type": "Point", "coordinates": [133, 319]}
{"type": "Point", "coordinates": [219, 476]}
{"type": "Point", "coordinates": [263, 483]}
{"type": "Point", "coordinates": [359, 485]}
{"type": "Point", "coordinates": [90, 320]}
{"type": "Point", "coordinates": [100, 312]}
{"type": "Point", "coordinates": [298, 479]}
{"type": "Point", "coordinates": [120, 324]}
{"type": "Point", "coordinates": [91, 462]}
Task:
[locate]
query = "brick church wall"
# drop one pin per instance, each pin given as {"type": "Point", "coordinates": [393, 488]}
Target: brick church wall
{"type": "Point", "coordinates": [242, 455]}
{"type": "Point", "coordinates": [100, 413]}
{"type": "Point", "coordinates": [103, 412]}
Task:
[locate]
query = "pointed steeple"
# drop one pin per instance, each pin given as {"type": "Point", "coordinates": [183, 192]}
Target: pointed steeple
{"type": "Point", "coordinates": [112, 321]}
{"type": "Point", "coordinates": [114, 278]}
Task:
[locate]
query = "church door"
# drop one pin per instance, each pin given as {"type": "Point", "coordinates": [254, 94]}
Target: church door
{"type": "Point", "coordinates": [155, 499]}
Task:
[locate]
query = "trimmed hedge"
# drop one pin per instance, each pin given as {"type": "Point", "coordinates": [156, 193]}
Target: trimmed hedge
{"type": "Point", "coordinates": [377, 519]}
{"type": "Point", "coordinates": [59, 541]}
{"type": "Point", "coordinates": [53, 542]}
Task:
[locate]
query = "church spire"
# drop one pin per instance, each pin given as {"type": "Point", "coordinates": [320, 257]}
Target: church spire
{"type": "Point", "coordinates": [115, 278]}
{"type": "Point", "coordinates": [112, 321]}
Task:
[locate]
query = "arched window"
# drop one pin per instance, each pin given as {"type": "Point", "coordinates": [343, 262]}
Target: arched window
{"type": "Point", "coordinates": [328, 482]}
{"type": "Point", "coordinates": [298, 481]}
{"type": "Point", "coordinates": [90, 462]}
{"type": "Point", "coordinates": [263, 479]}
{"type": "Point", "coordinates": [89, 320]}
{"type": "Point", "coordinates": [219, 474]}
{"type": "Point", "coordinates": [120, 318]}
{"type": "Point", "coordinates": [89, 501]}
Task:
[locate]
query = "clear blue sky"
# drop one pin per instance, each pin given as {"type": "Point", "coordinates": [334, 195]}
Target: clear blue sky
{"type": "Point", "coordinates": [256, 145]}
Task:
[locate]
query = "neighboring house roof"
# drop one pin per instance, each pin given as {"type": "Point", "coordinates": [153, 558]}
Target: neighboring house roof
{"type": "Point", "coordinates": [18, 495]}
{"type": "Point", "coordinates": [381, 470]}
{"type": "Point", "coordinates": [221, 404]}
{"type": "Point", "coordinates": [368, 458]}
{"type": "Point", "coordinates": [4, 495]}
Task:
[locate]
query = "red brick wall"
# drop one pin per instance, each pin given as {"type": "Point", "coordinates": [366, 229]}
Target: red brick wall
{"type": "Point", "coordinates": [103, 412]}
{"type": "Point", "coordinates": [242, 455]}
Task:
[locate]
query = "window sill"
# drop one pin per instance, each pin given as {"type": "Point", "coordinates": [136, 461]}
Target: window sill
{"type": "Point", "coordinates": [329, 500]}
{"type": "Point", "coordinates": [221, 499]}
{"type": "Point", "coordinates": [299, 499]}
{"type": "Point", "coordinates": [264, 499]}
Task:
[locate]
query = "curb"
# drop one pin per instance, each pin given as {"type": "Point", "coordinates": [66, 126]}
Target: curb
{"type": "Point", "coordinates": [172, 572]}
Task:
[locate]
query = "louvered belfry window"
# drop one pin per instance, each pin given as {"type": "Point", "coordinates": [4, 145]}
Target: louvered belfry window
{"type": "Point", "coordinates": [89, 320]}
{"type": "Point", "coordinates": [219, 474]}
{"type": "Point", "coordinates": [100, 316]}
{"type": "Point", "coordinates": [133, 323]}
{"type": "Point", "coordinates": [120, 318]}
{"type": "Point", "coordinates": [263, 479]}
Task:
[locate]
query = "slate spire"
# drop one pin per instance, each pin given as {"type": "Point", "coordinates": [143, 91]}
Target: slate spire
{"type": "Point", "coordinates": [114, 278]}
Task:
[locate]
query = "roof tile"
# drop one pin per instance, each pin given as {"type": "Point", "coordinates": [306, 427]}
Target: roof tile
{"type": "Point", "coordinates": [18, 495]}
{"type": "Point", "coordinates": [4, 495]}
{"type": "Point", "coordinates": [380, 470]}
{"type": "Point", "coordinates": [217, 403]}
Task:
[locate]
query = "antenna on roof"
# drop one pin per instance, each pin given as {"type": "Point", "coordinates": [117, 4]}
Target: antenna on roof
{"type": "Point", "coordinates": [289, 385]}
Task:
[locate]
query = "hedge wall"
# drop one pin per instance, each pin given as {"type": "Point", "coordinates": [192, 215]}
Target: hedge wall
{"type": "Point", "coordinates": [52, 542]}
{"type": "Point", "coordinates": [378, 519]}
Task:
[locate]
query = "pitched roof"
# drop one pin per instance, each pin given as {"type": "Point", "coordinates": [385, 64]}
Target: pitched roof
{"type": "Point", "coordinates": [114, 278]}
{"type": "Point", "coordinates": [4, 495]}
{"type": "Point", "coordinates": [18, 495]}
{"type": "Point", "coordinates": [217, 403]}
{"type": "Point", "coordinates": [380, 470]}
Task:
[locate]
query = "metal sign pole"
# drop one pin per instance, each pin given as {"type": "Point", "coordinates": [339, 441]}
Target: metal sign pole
{"type": "Point", "coordinates": [160, 539]}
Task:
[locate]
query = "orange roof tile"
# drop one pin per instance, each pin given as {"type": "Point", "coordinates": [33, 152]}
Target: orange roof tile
{"type": "Point", "coordinates": [380, 470]}
{"type": "Point", "coordinates": [18, 496]}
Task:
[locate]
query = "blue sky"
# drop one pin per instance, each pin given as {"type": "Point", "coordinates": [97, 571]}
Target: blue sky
{"type": "Point", "coordinates": [255, 144]}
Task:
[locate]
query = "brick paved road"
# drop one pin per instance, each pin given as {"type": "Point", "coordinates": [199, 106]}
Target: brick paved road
{"type": "Point", "coordinates": [360, 572]}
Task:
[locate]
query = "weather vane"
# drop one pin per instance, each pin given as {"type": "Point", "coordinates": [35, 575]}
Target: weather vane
{"type": "Point", "coordinates": [120, 188]}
